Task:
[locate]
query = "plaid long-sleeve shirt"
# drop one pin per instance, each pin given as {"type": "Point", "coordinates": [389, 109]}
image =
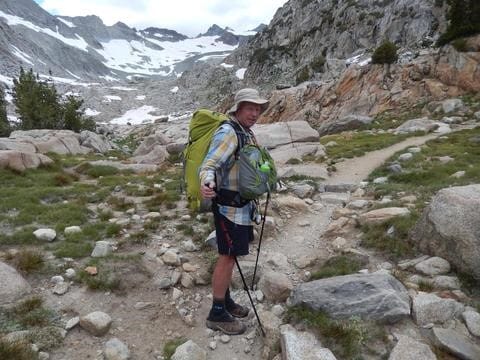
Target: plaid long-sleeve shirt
{"type": "Point", "coordinates": [219, 165]}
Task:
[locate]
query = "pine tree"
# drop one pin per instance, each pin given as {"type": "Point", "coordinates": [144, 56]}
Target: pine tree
{"type": "Point", "coordinates": [5, 128]}
{"type": "Point", "coordinates": [37, 102]}
{"type": "Point", "coordinates": [464, 20]}
{"type": "Point", "coordinates": [386, 53]}
{"type": "Point", "coordinates": [72, 115]}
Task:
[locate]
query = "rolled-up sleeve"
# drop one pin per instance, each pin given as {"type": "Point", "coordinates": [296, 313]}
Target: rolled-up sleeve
{"type": "Point", "coordinates": [223, 145]}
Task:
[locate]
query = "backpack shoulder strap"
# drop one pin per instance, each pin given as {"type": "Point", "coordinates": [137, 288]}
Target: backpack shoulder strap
{"type": "Point", "coordinates": [241, 136]}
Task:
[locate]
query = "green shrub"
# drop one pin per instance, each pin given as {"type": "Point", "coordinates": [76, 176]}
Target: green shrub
{"type": "Point", "coordinates": [460, 45]}
{"type": "Point", "coordinates": [16, 351]}
{"type": "Point", "coordinates": [260, 55]}
{"type": "Point", "coordinates": [317, 63]}
{"type": "Point", "coordinates": [303, 75]}
{"type": "Point", "coordinates": [386, 53]}
{"type": "Point", "coordinates": [338, 266]}
{"type": "Point", "coordinates": [29, 261]}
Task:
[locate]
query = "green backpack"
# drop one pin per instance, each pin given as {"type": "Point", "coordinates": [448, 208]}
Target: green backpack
{"type": "Point", "coordinates": [257, 169]}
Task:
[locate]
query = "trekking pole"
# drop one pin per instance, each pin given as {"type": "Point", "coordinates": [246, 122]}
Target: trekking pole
{"type": "Point", "coordinates": [249, 296]}
{"type": "Point", "coordinates": [260, 240]}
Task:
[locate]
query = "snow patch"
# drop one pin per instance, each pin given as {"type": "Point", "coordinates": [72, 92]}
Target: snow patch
{"type": "Point", "coordinates": [75, 76]}
{"type": "Point", "coordinates": [8, 97]}
{"type": "Point", "coordinates": [174, 90]}
{"type": "Point", "coordinates": [71, 93]}
{"type": "Point", "coordinates": [66, 22]}
{"type": "Point", "coordinates": [226, 66]}
{"type": "Point", "coordinates": [6, 80]}
{"type": "Point", "coordinates": [91, 112]}
{"type": "Point", "coordinates": [110, 98]}
{"type": "Point", "coordinates": [359, 59]}
{"type": "Point", "coordinates": [140, 97]}
{"type": "Point", "coordinates": [67, 81]}
{"type": "Point", "coordinates": [108, 78]}
{"type": "Point", "coordinates": [21, 55]}
{"type": "Point", "coordinates": [123, 88]}
{"type": "Point", "coordinates": [240, 73]}
{"type": "Point", "coordinates": [79, 42]}
{"type": "Point", "coordinates": [136, 116]}
{"type": "Point", "coordinates": [13, 119]}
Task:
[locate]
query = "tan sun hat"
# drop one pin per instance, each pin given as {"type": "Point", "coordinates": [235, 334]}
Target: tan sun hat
{"type": "Point", "coordinates": [248, 95]}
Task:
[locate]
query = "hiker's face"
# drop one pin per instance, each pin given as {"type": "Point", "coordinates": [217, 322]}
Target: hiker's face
{"type": "Point", "coordinates": [248, 113]}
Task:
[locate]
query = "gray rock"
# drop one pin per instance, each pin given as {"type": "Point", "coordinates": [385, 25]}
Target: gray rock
{"type": "Point", "coordinates": [429, 308]}
{"type": "Point", "coordinates": [136, 168]}
{"type": "Point", "coordinates": [414, 150]}
{"type": "Point", "coordinates": [187, 281]}
{"type": "Point", "coordinates": [433, 266]}
{"type": "Point", "coordinates": [333, 198]}
{"type": "Point", "coordinates": [472, 320]}
{"type": "Point", "coordinates": [189, 351]}
{"type": "Point", "coordinates": [380, 215]}
{"type": "Point", "coordinates": [171, 258]}
{"type": "Point", "coordinates": [380, 180]}
{"type": "Point", "coordinates": [405, 157]}
{"type": "Point", "coordinates": [458, 174]}
{"type": "Point", "coordinates": [116, 350]}
{"type": "Point", "coordinates": [96, 142]}
{"type": "Point", "coordinates": [376, 296]}
{"type": "Point", "coordinates": [449, 228]}
{"type": "Point", "coordinates": [451, 105]}
{"type": "Point", "coordinates": [72, 323]}
{"type": "Point", "coordinates": [422, 124]}
{"type": "Point", "coordinates": [13, 286]}
{"type": "Point", "coordinates": [405, 264]}
{"type": "Point", "coordinates": [247, 269]}
{"type": "Point", "coordinates": [72, 230]}
{"type": "Point", "coordinates": [20, 161]}
{"type": "Point", "coordinates": [61, 288]}
{"type": "Point", "coordinates": [157, 156]}
{"type": "Point", "coordinates": [477, 115]}
{"type": "Point", "coordinates": [102, 249]}
{"type": "Point", "coordinates": [349, 122]}
{"type": "Point", "coordinates": [358, 204]}
{"type": "Point", "coordinates": [189, 246]}
{"type": "Point", "coordinates": [96, 323]}
{"type": "Point", "coordinates": [45, 234]}
{"type": "Point", "coordinates": [395, 168]}
{"type": "Point", "coordinates": [298, 345]}
{"type": "Point", "coordinates": [303, 190]}
{"type": "Point", "coordinates": [281, 133]}
{"type": "Point", "coordinates": [410, 349]}
{"type": "Point", "coordinates": [456, 344]}
{"type": "Point", "coordinates": [275, 286]}
{"type": "Point", "coordinates": [163, 283]}
{"type": "Point", "coordinates": [446, 282]}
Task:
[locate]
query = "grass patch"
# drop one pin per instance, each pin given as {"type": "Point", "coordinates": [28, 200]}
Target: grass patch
{"type": "Point", "coordinates": [170, 347]}
{"type": "Point", "coordinates": [339, 265]}
{"type": "Point", "coordinates": [105, 280]}
{"type": "Point", "coordinates": [16, 351]}
{"type": "Point", "coordinates": [425, 286]}
{"type": "Point", "coordinates": [96, 171]}
{"type": "Point", "coordinates": [23, 236]}
{"type": "Point", "coordinates": [396, 245]}
{"type": "Point", "coordinates": [346, 338]}
{"type": "Point", "coordinates": [120, 203]}
{"type": "Point", "coordinates": [355, 144]}
{"type": "Point", "coordinates": [29, 261]}
{"type": "Point", "coordinates": [27, 314]}
{"type": "Point", "coordinates": [186, 229]}
{"type": "Point", "coordinates": [424, 174]}
{"type": "Point", "coordinates": [392, 119]}
{"type": "Point", "coordinates": [166, 198]}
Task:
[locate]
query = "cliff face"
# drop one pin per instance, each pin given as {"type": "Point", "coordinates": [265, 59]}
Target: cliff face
{"type": "Point", "coordinates": [368, 90]}
{"type": "Point", "coordinates": [314, 39]}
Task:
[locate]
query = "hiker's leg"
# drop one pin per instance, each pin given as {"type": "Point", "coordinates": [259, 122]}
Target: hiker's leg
{"type": "Point", "coordinates": [222, 276]}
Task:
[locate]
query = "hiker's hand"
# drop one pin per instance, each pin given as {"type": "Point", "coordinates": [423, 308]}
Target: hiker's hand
{"type": "Point", "coordinates": [208, 190]}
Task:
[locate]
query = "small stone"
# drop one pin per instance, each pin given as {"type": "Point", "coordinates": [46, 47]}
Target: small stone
{"type": "Point", "coordinates": [303, 223]}
{"type": "Point", "coordinates": [458, 174]}
{"type": "Point", "coordinates": [405, 157]}
{"type": "Point", "coordinates": [143, 305]}
{"type": "Point", "coordinates": [247, 349]}
{"type": "Point", "coordinates": [189, 267]}
{"type": "Point", "coordinates": [72, 323]}
{"type": "Point", "coordinates": [414, 150]}
{"type": "Point", "coordinates": [212, 345]}
{"type": "Point", "coordinates": [43, 355]}
{"type": "Point", "coordinates": [61, 288]}
{"type": "Point", "coordinates": [176, 294]}
{"type": "Point", "coordinates": [91, 270]}
{"type": "Point", "coordinates": [116, 350]}
{"type": "Point", "coordinates": [225, 339]}
{"type": "Point", "coordinates": [176, 276]}
{"type": "Point", "coordinates": [57, 279]}
{"type": "Point", "coordinates": [187, 281]}
{"type": "Point", "coordinates": [278, 310]}
{"type": "Point", "coordinates": [72, 230]}
{"type": "Point", "coordinates": [189, 246]}
{"type": "Point", "coordinates": [259, 295]}
{"type": "Point", "coordinates": [102, 249]}
{"type": "Point", "coordinates": [171, 258]}
{"type": "Point", "coordinates": [472, 320]}
{"type": "Point", "coordinates": [96, 323]}
{"type": "Point", "coordinates": [433, 266]}
{"type": "Point", "coordinates": [45, 234]}
{"type": "Point", "coordinates": [380, 180]}
{"type": "Point", "coordinates": [186, 218]}
{"type": "Point", "coordinates": [70, 273]}
{"type": "Point", "coordinates": [163, 283]}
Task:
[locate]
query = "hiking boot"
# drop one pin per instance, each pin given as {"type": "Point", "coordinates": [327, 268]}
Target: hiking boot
{"type": "Point", "coordinates": [226, 323]}
{"type": "Point", "coordinates": [237, 310]}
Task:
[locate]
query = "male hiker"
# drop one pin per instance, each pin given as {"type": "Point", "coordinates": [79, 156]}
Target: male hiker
{"type": "Point", "coordinates": [219, 175]}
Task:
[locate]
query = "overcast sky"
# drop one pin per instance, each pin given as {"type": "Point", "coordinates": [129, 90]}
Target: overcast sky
{"type": "Point", "coordinates": [189, 17]}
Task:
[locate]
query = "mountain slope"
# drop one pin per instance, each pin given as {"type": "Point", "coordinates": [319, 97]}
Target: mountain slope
{"type": "Point", "coordinates": [85, 48]}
